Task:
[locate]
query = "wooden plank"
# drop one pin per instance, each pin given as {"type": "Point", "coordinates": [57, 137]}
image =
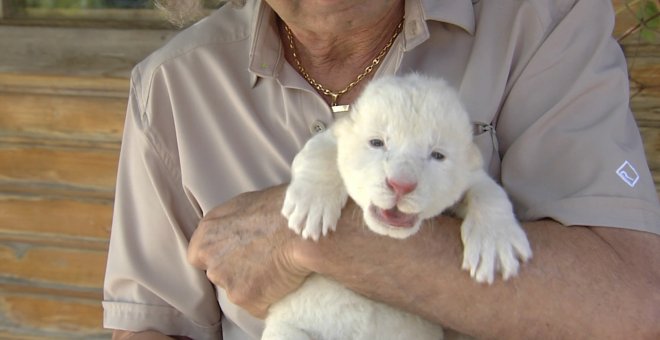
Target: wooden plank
{"type": "Point", "coordinates": [13, 335]}
{"type": "Point", "coordinates": [649, 52]}
{"type": "Point", "coordinates": [645, 104]}
{"type": "Point", "coordinates": [47, 190]}
{"type": "Point", "coordinates": [60, 141]}
{"type": "Point", "coordinates": [51, 265]}
{"type": "Point", "coordinates": [644, 65]}
{"type": "Point", "coordinates": [78, 168]}
{"type": "Point", "coordinates": [74, 51]}
{"type": "Point", "coordinates": [645, 71]}
{"type": "Point", "coordinates": [26, 287]}
{"type": "Point", "coordinates": [651, 138]}
{"type": "Point", "coordinates": [52, 314]}
{"type": "Point", "coordinates": [58, 241]}
{"type": "Point", "coordinates": [641, 118]}
{"type": "Point", "coordinates": [21, 334]}
{"type": "Point", "coordinates": [96, 14]}
{"type": "Point", "coordinates": [64, 84]}
{"type": "Point", "coordinates": [79, 117]}
{"type": "Point", "coordinates": [55, 218]}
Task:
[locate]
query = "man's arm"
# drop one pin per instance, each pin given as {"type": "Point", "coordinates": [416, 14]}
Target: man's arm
{"type": "Point", "coordinates": [582, 282]}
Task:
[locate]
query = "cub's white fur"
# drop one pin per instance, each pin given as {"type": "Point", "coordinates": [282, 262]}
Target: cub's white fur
{"type": "Point", "coordinates": [405, 154]}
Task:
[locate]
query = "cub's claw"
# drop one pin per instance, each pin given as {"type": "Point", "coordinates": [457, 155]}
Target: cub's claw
{"type": "Point", "coordinates": [489, 247]}
{"type": "Point", "coordinates": [311, 211]}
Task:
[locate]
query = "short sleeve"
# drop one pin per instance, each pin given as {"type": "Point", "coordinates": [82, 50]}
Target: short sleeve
{"type": "Point", "coordinates": [571, 150]}
{"type": "Point", "coordinates": [148, 283]}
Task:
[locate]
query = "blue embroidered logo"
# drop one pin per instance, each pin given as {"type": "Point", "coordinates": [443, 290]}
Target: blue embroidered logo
{"type": "Point", "coordinates": [628, 174]}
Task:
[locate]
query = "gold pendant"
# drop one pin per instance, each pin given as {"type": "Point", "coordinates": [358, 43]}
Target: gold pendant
{"type": "Point", "coordinates": [340, 108]}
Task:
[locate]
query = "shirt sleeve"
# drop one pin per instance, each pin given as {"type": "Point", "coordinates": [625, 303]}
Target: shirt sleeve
{"type": "Point", "coordinates": [148, 282]}
{"type": "Point", "coordinates": [571, 150]}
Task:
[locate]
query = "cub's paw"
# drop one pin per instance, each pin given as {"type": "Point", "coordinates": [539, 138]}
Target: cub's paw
{"type": "Point", "coordinates": [489, 246]}
{"type": "Point", "coordinates": [313, 210]}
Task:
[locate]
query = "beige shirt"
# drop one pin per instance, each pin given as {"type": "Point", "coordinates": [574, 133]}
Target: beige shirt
{"type": "Point", "coordinates": [218, 111]}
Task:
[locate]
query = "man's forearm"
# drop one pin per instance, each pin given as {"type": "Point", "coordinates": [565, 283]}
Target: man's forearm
{"type": "Point", "coordinates": [577, 285]}
{"type": "Point", "coordinates": [581, 283]}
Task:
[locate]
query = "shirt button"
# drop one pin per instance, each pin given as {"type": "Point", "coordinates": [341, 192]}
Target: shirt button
{"type": "Point", "coordinates": [317, 127]}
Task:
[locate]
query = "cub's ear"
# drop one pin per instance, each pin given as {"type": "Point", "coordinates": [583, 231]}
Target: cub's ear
{"type": "Point", "coordinates": [474, 158]}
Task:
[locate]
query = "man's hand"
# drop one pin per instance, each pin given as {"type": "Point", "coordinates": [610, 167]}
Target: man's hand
{"type": "Point", "coordinates": [246, 248]}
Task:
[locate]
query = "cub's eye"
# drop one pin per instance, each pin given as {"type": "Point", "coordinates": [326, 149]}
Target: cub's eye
{"type": "Point", "coordinates": [438, 156]}
{"type": "Point", "coordinates": [377, 143]}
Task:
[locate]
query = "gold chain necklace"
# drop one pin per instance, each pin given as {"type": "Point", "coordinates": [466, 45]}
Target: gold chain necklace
{"type": "Point", "coordinates": [325, 91]}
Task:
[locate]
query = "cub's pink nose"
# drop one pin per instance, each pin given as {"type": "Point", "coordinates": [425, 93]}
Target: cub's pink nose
{"type": "Point", "coordinates": [400, 187]}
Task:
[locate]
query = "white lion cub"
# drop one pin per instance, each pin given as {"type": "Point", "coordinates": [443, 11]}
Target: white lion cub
{"type": "Point", "coordinates": [404, 154]}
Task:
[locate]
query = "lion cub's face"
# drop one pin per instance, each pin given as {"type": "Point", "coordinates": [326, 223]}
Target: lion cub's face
{"type": "Point", "coordinates": [405, 153]}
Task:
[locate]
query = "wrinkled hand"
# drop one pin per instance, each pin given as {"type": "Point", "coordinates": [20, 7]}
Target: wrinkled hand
{"type": "Point", "coordinates": [246, 248]}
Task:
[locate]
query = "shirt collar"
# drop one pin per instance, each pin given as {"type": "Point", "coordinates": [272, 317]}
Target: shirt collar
{"type": "Point", "coordinates": [419, 12]}
{"type": "Point", "coordinates": [266, 54]}
{"type": "Point", "coordinates": [455, 12]}
{"type": "Point", "coordinates": [266, 49]}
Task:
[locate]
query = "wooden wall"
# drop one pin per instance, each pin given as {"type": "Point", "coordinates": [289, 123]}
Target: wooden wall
{"type": "Point", "coordinates": [62, 102]}
{"type": "Point", "coordinates": [63, 96]}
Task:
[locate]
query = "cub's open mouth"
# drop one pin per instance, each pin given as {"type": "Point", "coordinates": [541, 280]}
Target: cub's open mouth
{"type": "Point", "coordinates": [394, 217]}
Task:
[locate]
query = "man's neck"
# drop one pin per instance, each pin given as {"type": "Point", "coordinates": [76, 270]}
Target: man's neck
{"type": "Point", "coordinates": [334, 59]}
